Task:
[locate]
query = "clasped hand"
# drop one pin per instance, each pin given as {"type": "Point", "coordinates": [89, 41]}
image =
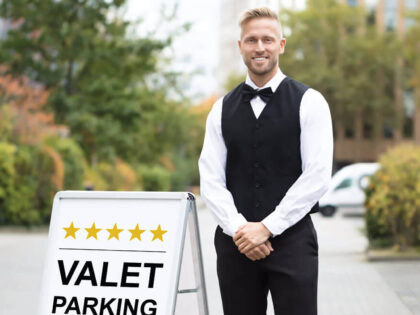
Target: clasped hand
{"type": "Point", "coordinates": [252, 240]}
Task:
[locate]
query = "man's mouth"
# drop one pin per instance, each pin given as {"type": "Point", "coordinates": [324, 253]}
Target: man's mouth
{"type": "Point", "coordinates": [259, 58]}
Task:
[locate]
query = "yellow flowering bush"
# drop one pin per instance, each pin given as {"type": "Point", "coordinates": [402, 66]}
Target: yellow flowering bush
{"type": "Point", "coordinates": [393, 199]}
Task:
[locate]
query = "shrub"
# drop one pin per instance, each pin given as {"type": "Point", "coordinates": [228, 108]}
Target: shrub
{"type": "Point", "coordinates": [7, 152]}
{"type": "Point", "coordinates": [117, 176]}
{"type": "Point", "coordinates": [155, 178]}
{"type": "Point", "coordinates": [185, 173]}
{"type": "Point", "coordinates": [393, 199]}
{"type": "Point", "coordinates": [29, 176]}
{"type": "Point", "coordinates": [73, 158]}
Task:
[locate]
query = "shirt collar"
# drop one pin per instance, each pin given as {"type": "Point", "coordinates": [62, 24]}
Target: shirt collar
{"type": "Point", "coordinates": [273, 83]}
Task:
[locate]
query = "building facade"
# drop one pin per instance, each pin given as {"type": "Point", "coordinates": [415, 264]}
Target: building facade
{"type": "Point", "coordinates": [390, 16]}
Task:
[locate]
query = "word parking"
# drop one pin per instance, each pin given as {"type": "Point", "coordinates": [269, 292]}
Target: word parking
{"type": "Point", "coordinates": [84, 273]}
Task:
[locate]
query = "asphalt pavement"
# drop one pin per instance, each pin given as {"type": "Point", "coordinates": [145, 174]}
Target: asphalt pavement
{"type": "Point", "coordinates": [348, 283]}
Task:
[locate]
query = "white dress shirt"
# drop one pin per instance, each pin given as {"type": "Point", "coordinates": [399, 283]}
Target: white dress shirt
{"type": "Point", "coordinates": [316, 148]}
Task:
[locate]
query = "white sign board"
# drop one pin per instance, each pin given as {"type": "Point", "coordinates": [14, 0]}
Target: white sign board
{"type": "Point", "coordinates": [116, 253]}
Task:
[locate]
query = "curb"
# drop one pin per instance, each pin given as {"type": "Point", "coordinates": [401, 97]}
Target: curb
{"type": "Point", "coordinates": [391, 255]}
{"type": "Point", "coordinates": [22, 229]}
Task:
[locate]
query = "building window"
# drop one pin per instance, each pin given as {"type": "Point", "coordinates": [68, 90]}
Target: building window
{"type": "Point", "coordinates": [348, 124]}
{"type": "Point", "coordinates": [409, 110]}
{"type": "Point", "coordinates": [388, 131]}
{"type": "Point", "coordinates": [390, 14]}
{"type": "Point", "coordinates": [367, 130]}
{"type": "Point", "coordinates": [367, 124]}
{"type": "Point", "coordinates": [371, 17]}
{"type": "Point", "coordinates": [352, 3]}
{"type": "Point", "coordinates": [4, 27]}
{"type": "Point", "coordinates": [410, 5]}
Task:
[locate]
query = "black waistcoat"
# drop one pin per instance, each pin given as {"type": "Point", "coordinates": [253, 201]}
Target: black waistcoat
{"type": "Point", "coordinates": [263, 155]}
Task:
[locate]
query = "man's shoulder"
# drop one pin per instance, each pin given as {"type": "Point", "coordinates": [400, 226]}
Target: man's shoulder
{"type": "Point", "coordinates": [234, 92]}
{"type": "Point", "coordinates": [296, 85]}
{"type": "Point", "coordinates": [305, 92]}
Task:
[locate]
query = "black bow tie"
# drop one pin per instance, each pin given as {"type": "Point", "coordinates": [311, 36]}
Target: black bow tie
{"type": "Point", "coordinates": [249, 93]}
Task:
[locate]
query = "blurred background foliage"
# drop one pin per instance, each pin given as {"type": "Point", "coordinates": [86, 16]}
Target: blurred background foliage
{"type": "Point", "coordinates": [393, 200]}
{"type": "Point", "coordinates": [85, 104]}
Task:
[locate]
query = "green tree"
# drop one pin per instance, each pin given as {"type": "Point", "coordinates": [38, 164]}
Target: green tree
{"type": "Point", "coordinates": [412, 55]}
{"type": "Point", "coordinates": [335, 49]}
{"type": "Point", "coordinates": [98, 75]}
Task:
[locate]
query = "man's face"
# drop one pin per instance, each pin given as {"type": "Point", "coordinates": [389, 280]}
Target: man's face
{"type": "Point", "coordinates": [260, 46]}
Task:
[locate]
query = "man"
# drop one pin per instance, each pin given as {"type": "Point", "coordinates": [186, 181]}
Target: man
{"type": "Point", "coordinates": [266, 161]}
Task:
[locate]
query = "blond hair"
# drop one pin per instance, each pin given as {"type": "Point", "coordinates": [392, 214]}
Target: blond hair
{"type": "Point", "coordinates": [256, 13]}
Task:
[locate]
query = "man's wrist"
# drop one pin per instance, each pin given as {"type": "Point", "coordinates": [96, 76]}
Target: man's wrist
{"type": "Point", "coordinates": [269, 233]}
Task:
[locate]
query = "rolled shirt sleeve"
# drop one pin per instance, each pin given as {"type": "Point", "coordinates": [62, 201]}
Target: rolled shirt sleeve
{"type": "Point", "coordinates": [317, 153]}
{"type": "Point", "coordinates": [212, 166]}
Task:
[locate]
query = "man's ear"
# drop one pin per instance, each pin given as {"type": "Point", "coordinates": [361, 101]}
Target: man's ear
{"type": "Point", "coordinates": [239, 45]}
{"type": "Point", "coordinates": [282, 45]}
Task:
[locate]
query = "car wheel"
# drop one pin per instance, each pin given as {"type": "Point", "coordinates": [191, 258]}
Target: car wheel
{"type": "Point", "coordinates": [327, 211]}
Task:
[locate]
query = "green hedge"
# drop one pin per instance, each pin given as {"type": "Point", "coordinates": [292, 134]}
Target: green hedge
{"type": "Point", "coordinates": [7, 170]}
{"type": "Point", "coordinates": [72, 157]}
{"type": "Point", "coordinates": [26, 185]}
{"type": "Point", "coordinates": [393, 199]}
{"type": "Point", "coordinates": [154, 178]}
{"type": "Point", "coordinates": [185, 174]}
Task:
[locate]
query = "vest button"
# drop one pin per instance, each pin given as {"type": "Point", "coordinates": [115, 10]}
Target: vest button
{"type": "Point", "coordinates": [257, 205]}
{"type": "Point", "coordinates": [257, 126]}
{"type": "Point", "coordinates": [256, 164]}
{"type": "Point", "coordinates": [257, 185]}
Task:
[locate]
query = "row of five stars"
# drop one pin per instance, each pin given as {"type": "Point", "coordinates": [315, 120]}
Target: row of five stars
{"type": "Point", "coordinates": [114, 232]}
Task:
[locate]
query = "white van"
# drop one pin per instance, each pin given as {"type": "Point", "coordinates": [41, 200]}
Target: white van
{"type": "Point", "coordinates": [347, 188]}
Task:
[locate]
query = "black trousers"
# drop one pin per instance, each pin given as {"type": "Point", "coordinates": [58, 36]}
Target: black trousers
{"type": "Point", "coordinates": [290, 273]}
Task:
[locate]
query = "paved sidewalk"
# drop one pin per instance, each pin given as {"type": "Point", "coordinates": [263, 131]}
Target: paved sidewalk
{"type": "Point", "coordinates": [348, 284]}
{"type": "Point", "coordinates": [21, 265]}
{"type": "Point", "coordinates": [404, 278]}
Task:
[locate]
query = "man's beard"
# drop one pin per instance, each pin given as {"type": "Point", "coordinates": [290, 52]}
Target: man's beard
{"type": "Point", "coordinates": [261, 71]}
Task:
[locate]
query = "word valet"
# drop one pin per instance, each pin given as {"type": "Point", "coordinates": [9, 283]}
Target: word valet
{"type": "Point", "coordinates": [74, 232]}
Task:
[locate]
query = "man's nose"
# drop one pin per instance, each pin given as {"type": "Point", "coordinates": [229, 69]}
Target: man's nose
{"type": "Point", "coordinates": [260, 46]}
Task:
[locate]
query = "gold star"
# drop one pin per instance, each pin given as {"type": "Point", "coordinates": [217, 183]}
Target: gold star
{"type": "Point", "coordinates": [114, 232]}
{"type": "Point", "coordinates": [92, 231]}
{"type": "Point", "coordinates": [71, 231]}
{"type": "Point", "coordinates": [136, 232]}
{"type": "Point", "coordinates": [158, 233]}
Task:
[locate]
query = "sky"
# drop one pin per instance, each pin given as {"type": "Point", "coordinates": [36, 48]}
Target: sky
{"type": "Point", "coordinates": [196, 50]}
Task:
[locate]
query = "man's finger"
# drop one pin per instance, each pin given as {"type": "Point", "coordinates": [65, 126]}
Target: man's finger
{"type": "Point", "coordinates": [242, 246]}
{"type": "Point", "coordinates": [238, 235]}
{"type": "Point", "coordinates": [251, 256]}
{"type": "Point", "coordinates": [241, 241]}
{"type": "Point", "coordinates": [259, 252]}
{"type": "Point", "coordinates": [246, 248]}
{"type": "Point", "coordinates": [268, 244]}
{"type": "Point", "coordinates": [265, 249]}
